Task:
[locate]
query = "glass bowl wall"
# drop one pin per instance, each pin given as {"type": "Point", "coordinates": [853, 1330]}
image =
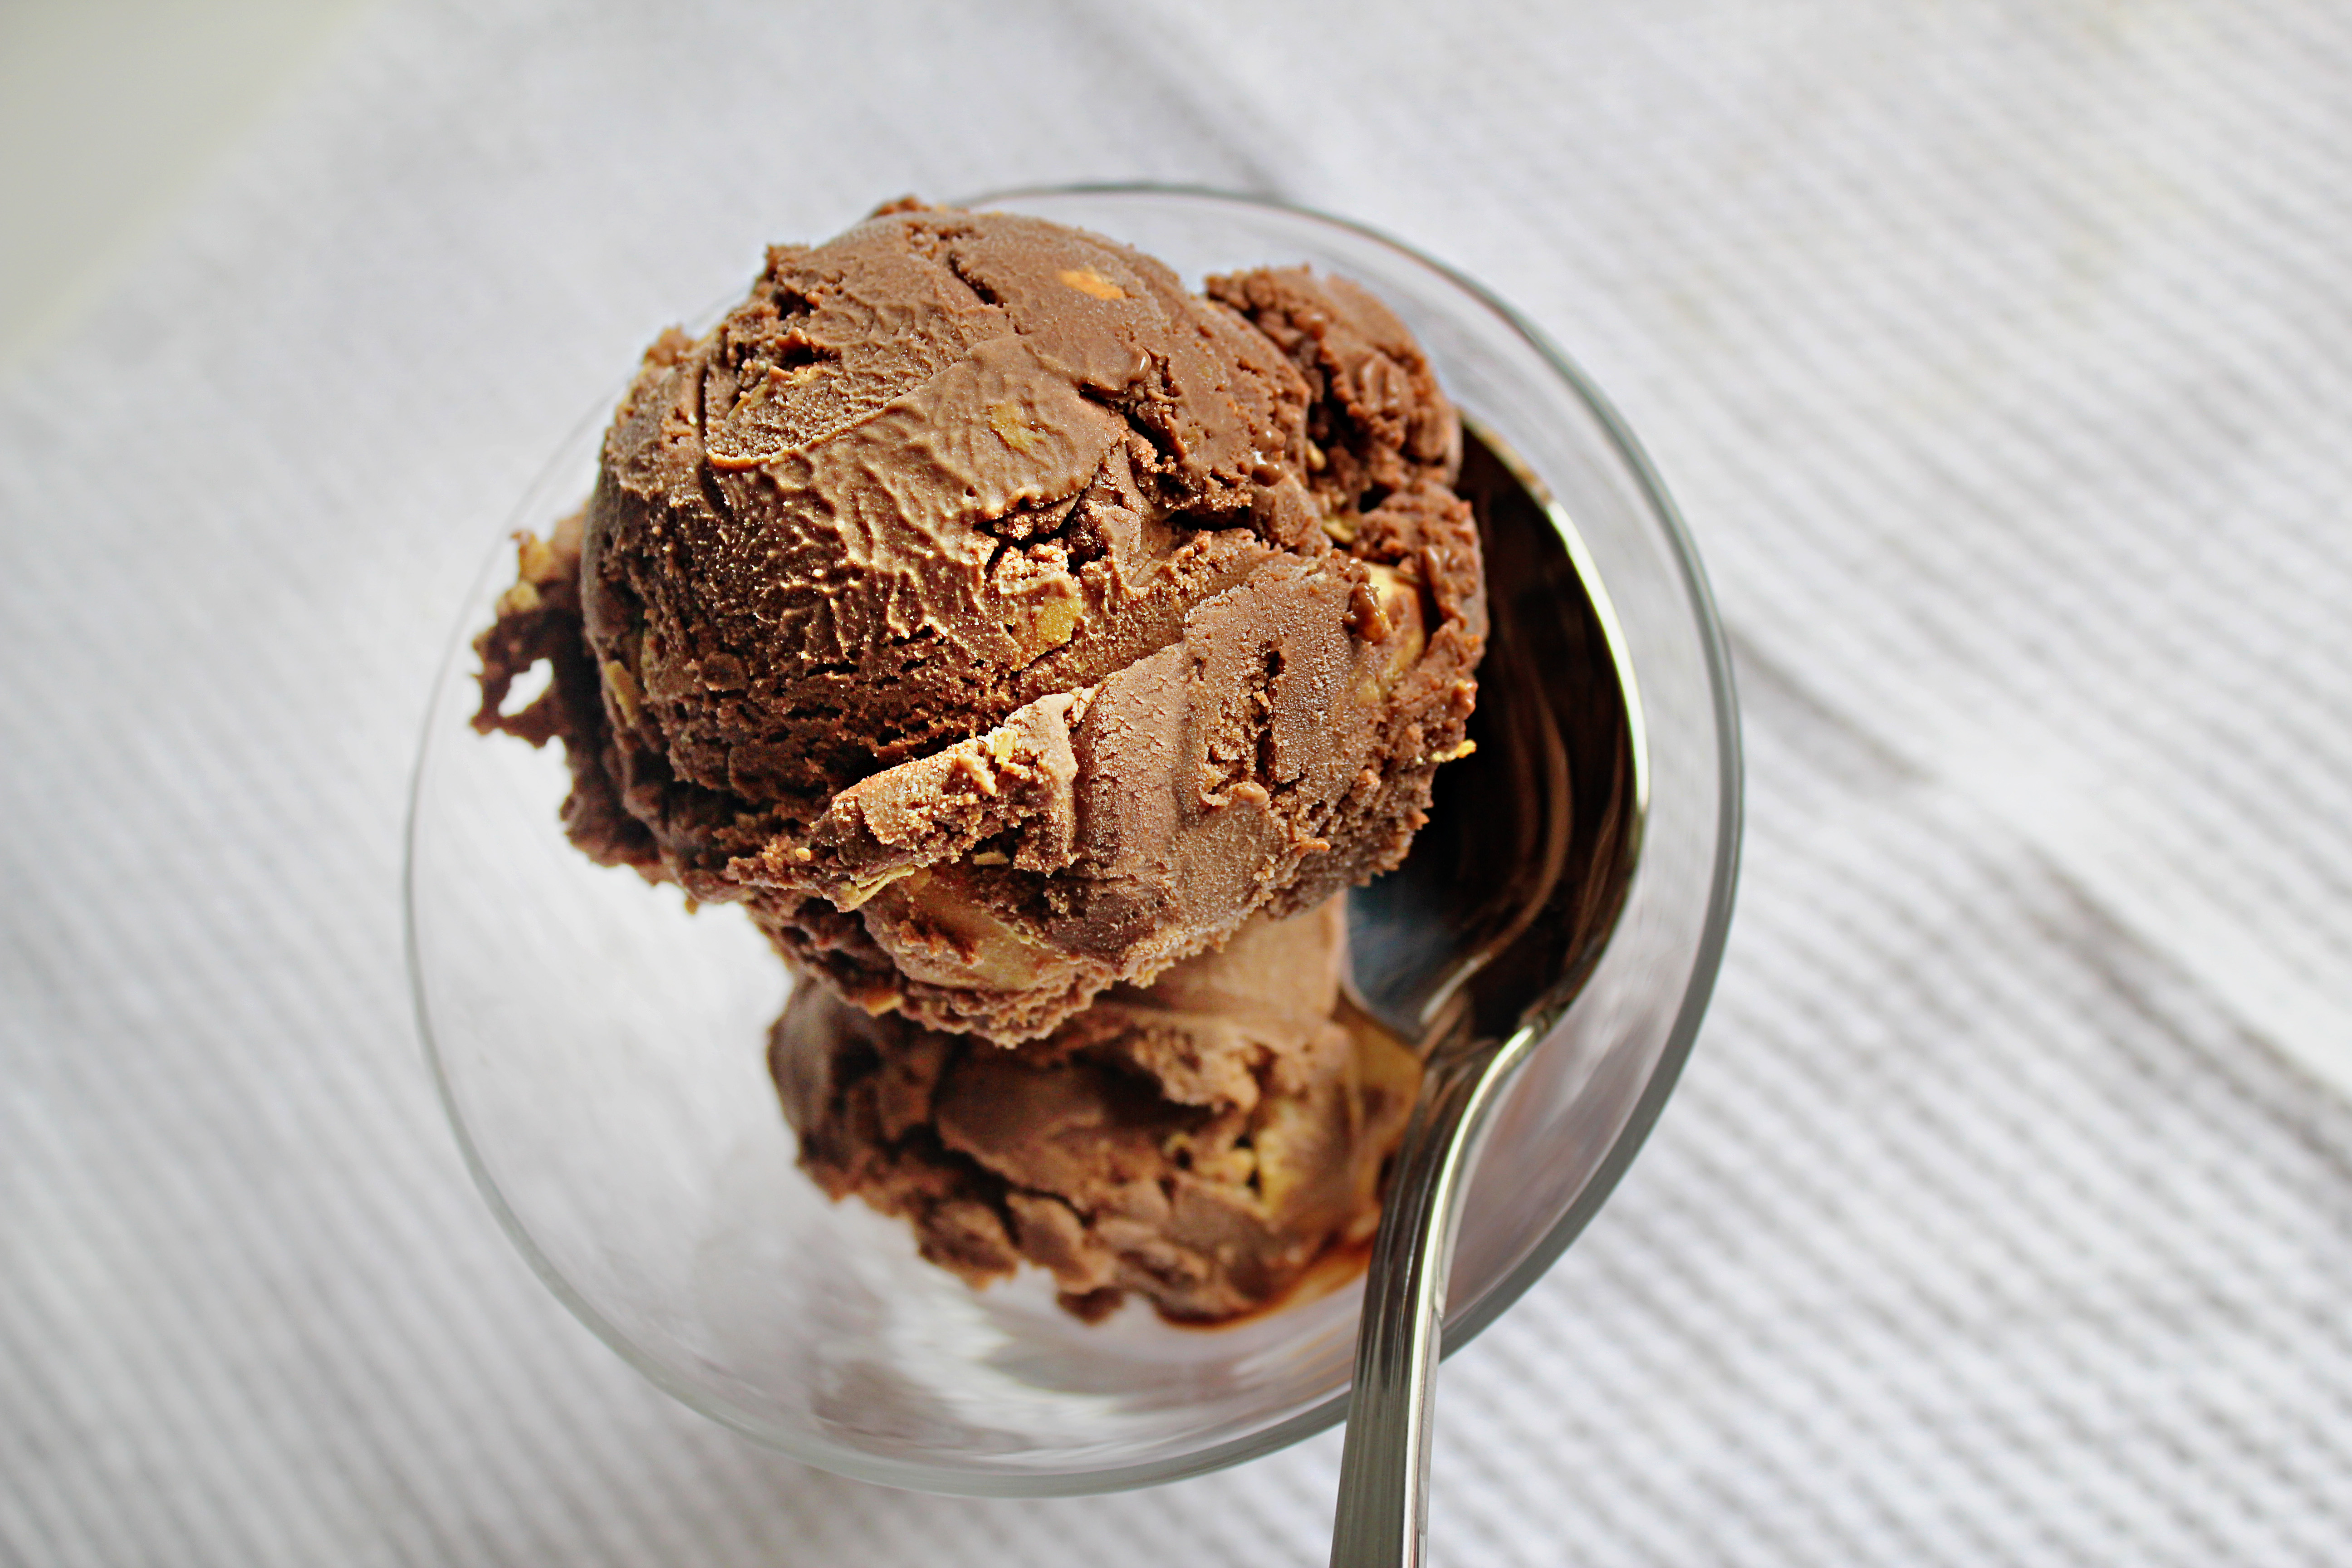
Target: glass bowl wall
{"type": "Point", "coordinates": [601, 1049]}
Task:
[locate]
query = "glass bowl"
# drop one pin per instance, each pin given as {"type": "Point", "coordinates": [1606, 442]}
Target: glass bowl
{"type": "Point", "coordinates": [600, 1048]}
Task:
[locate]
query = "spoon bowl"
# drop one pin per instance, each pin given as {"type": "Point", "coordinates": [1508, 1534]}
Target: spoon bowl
{"type": "Point", "coordinates": [1514, 884]}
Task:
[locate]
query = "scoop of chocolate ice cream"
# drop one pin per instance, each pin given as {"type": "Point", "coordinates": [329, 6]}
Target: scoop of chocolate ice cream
{"type": "Point", "coordinates": [1000, 622]}
{"type": "Point", "coordinates": [1199, 1142]}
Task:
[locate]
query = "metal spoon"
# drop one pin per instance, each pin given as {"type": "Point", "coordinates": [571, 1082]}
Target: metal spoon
{"type": "Point", "coordinates": [1527, 856]}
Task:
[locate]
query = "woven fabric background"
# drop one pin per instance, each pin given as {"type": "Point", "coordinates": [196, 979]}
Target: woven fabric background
{"type": "Point", "coordinates": [2001, 356]}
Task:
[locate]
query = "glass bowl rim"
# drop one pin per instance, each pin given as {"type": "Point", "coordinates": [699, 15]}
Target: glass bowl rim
{"type": "Point", "coordinates": [1706, 966]}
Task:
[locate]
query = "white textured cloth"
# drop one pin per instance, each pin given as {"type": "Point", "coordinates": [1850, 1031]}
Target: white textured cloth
{"type": "Point", "coordinates": [1999, 356]}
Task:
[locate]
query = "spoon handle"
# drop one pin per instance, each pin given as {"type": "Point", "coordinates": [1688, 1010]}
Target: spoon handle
{"type": "Point", "coordinates": [1382, 1519]}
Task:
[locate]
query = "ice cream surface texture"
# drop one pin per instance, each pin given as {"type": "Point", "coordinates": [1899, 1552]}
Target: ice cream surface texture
{"type": "Point", "coordinates": [1199, 1142]}
{"type": "Point", "coordinates": [1000, 623]}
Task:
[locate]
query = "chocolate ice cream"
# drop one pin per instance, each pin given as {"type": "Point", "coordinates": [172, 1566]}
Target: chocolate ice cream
{"type": "Point", "coordinates": [1199, 1142]}
{"type": "Point", "coordinates": [1000, 623]}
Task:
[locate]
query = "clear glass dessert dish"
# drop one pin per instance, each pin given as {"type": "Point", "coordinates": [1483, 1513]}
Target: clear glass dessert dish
{"type": "Point", "coordinates": [601, 1047]}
